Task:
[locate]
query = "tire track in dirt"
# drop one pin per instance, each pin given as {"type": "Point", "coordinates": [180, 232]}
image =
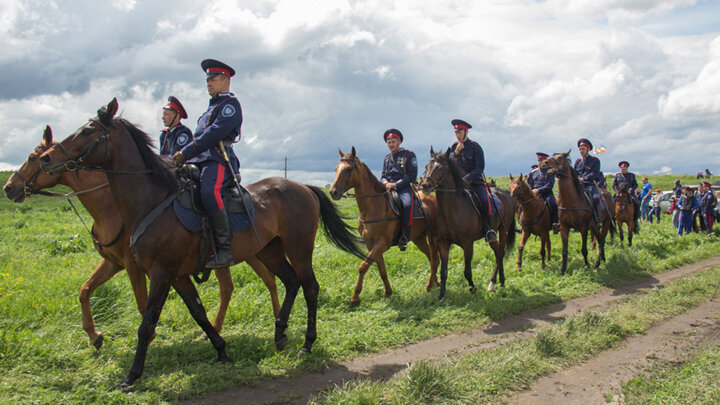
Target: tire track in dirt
{"type": "Point", "coordinates": [588, 383]}
{"type": "Point", "coordinates": [297, 390]}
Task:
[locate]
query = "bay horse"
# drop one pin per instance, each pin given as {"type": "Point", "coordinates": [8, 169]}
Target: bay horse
{"type": "Point", "coordinates": [378, 225]}
{"type": "Point", "coordinates": [625, 213]}
{"type": "Point", "coordinates": [575, 210]}
{"type": "Point", "coordinates": [286, 219]}
{"type": "Point", "coordinates": [534, 217]}
{"type": "Point", "coordinates": [110, 236]}
{"type": "Point", "coordinates": [459, 223]}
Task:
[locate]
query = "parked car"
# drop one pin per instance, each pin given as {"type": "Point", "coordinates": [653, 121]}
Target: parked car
{"type": "Point", "coordinates": [665, 203]}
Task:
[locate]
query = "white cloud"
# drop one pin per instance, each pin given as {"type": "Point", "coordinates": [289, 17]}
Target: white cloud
{"type": "Point", "coordinates": [124, 5]}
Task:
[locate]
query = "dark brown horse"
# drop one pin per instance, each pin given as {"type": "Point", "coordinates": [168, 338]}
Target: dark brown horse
{"type": "Point", "coordinates": [458, 221]}
{"type": "Point", "coordinates": [378, 225]}
{"type": "Point", "coordinates": [535, 217]}
{"type": "Point", "coordinates": [575, 210]}
{"type": "Point", "coordinates": [110, 236]}
{"type": "Point", "coordinates": [625, 213]}
{"type": "Point", "coordinates": [286, 219]}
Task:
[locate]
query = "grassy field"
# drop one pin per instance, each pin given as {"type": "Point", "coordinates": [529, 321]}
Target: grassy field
{"type": "Point", "coordinates": [45, 356]}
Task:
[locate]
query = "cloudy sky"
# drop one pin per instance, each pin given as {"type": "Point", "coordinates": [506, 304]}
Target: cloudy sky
{"type": "Point", "coordinates": [640, 77]}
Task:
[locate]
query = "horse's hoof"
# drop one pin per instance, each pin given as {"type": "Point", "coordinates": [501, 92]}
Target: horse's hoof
{"type": "Point", "coordinates": [491, 286]}
{"type": "Point", "coordinates": [224, 360]}
{"type": "Point", "coordinates": [124, 387]}
{"type": "Point", "coordinates": [280, 344]}
{"type": "Point", "coordinates": [302, 352]}
{"type": "Point", "coordinates": [98, 341]}
{"type": "Point", "coordinates": [388, 294]}
{"type": "Point", "coordinates": [472, 289]}
{"type": "Point", "coordinates": [354, 303]}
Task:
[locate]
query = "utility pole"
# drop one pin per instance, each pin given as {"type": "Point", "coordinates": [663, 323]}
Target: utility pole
{"type": "Point", "coordinates": [286, 167]}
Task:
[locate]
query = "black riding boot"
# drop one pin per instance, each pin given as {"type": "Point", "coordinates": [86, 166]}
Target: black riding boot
{"type": "Point", "coordinates": [404, 234]}
{"type": "Point", "coordinates": [490, 234]}
{"type": "Point", "coordinates": [597, 222]}
{"type": "Point", "coordinates": [223, 256]}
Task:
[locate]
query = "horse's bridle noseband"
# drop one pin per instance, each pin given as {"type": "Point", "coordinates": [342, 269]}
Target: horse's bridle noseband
{"type": "Point", "coordinates": [435, 187]}
{"type": "Point", "coordinates": [29, 183]}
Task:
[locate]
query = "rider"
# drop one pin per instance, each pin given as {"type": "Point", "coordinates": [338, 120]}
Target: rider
{"type": "Point", "coordinates": [400, 173]}
{"type": "Point", "coordinates": [629, 179]}
{"type": "Point", "coordinates": [217, 128]}
{"type": "Point", "coordinates": [588, 171]}
{"type": "Point", "coordinates": [471, 159]}
{"type": "Point", "coordinates": [542, 185]}
{"type": "Point", "coordinates": [175, 135]}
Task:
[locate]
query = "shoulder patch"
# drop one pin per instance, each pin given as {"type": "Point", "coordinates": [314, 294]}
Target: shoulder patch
{"type": "Point", "coordinates": [414, 161]}
{"type": "Point", "coordinates": [182, 139]}
{"type": "Point", "coordinates": [228, 111]}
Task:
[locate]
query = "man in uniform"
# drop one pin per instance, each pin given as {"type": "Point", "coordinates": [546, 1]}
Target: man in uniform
{"type": "Point", "coordinates": [400, 173]}
{"type": "Point", "coordinates": [217, 129]}
{"type": "Point", "coordinates": [707, 202]}
{"type": "Point", "coordinates": [542, 185]}
{"type": "Point", "coordinates": [588, 172]}
{"type": "Point", "coordinates": [175, 135]}
{"type": "Point", "coordinates": [471, 159]}
{"type": "Point", "coordinates": [629, 179]}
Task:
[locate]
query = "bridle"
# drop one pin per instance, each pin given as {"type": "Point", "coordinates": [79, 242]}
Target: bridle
{"type": "Point", "coordinates": [74, 163]}
{"type": "Point", "coordinates": [29, 183]}
{"type": "Point", "coordinates": [436, 187]}
{"type": "Point", "coordinates": [351, 162]}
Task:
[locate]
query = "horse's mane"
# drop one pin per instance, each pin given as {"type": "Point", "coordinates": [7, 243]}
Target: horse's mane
{"type": "Point", "coordinates": [162, 170]}
{"type": "Point", "coordinates": [456, 171]}
{"type": "Point", "coordinates": [374, 182]}
{"type": "Point", "coordinates": [573, 175]}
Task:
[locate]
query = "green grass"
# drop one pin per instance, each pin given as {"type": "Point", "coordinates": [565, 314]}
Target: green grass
{"type": "Point", "coordinates": [45, 356]}
{"type": "Point", "coordinates": [692, 381]}
{"type": "Point", "coordinates": [490, 375]}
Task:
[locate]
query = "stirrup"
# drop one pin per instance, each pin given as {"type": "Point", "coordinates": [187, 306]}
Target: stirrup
{"type": "Point", "coordinates": [491, 236]}
{"type": "Point", "coordinates": [402, 243]}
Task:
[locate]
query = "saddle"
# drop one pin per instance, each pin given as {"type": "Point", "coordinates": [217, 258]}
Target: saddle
{"type": "Point", "coordinates": [396, 205]}
{"type": "Point", "coordinates": [189, 210]}
{"type": "Point", "coordinates": [494, 201]}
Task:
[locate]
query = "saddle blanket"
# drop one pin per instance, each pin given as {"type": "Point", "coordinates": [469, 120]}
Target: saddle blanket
{"type": "Point", "coordinates": [192, 220]}
{"type": "Point", "coordinates": [395, 204]}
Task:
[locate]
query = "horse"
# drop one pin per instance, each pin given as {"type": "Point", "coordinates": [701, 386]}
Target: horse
{"type": "Point", "coordinates": [458, 221]}
{"type": "Point", "coordinates": [625, 213]}
{"type": "Point", "coordinates": [535, 217]}
{"type": "Point", "coordinates": [110, 236]}
{"type": "Point", "coordinates": [286, 221]}
{"type": "Point", "coordinates": [378, 225]}
{"type": "Point", "coordinates": [575, 210]}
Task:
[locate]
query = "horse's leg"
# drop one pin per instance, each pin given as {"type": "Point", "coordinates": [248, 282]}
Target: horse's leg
{"type": "Point", "coordinates": [542, 250]}
{"type": "Point", "coordinates": [499, 257]}
{"type": "Point", "coordinates": [468, 254]}
{"type": "Point", "coordinates": [564, 235]}
{"type": "Point", "coordinates": [525, 237]}
{"type": "Point", "coordinates": [364, 266]}
{"type": "Point", "coordinates": [584, 249]}
{"type": "Point", "coordinates": [431, 252]}
{"type": "Point", "coordinates": [443, 251]}
{"type": "Point", "coordinates": [311, 290]}
{"type": "Point", "coordinates": [547, 245]}
{"type": "Point", "coordinates": [104, 271]}
{"type": "Point", "coordinates": [620, 232]}
{"type": "Point", "coordinates": [226, 286]}
{"type": "Point", "coordinates": [631, 229]}
{"type": "Point", "coordinates": [383, 275]}
{"type": "Point", "coordinates": [601, 248]}
{"type": "Point", "coordinates": [187, 291]}
{"type": "Point", "coordinates": [273, 257]}
{"type": "Point", "coordinates": [269, 279]}
{"type": "Point", "coordinates": [159, 288]}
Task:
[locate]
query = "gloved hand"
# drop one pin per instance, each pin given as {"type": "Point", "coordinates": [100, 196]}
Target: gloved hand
{"type": "Point", "coordinates": [179, 159]}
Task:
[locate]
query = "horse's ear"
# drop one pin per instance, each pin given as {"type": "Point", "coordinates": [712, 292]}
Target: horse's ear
{"type": "Point", "coordinates": [447, 153]}
{"type": "Point", "coordinates": [352, 154]}
{"type": "Point", "coordinates": [47, 137]}
{"type": "Point", "coordinates": [432, 152]}
{"type": "Point", "coordinates": [341, 153]}
{"type": "Point", "coordinates": [106, 113]}
{"type": "Point", "coordinates": [511, 177]}
{"type": "Point", "coordinates": [568, 152]}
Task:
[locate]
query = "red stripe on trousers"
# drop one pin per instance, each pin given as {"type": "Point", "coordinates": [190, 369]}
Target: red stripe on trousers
{"type": "Point", "coordinates": [487, 191]}
{"type": "Point", "coordinates": [218, 186]}
{"type": "Point", "coordinates": [412, 201]}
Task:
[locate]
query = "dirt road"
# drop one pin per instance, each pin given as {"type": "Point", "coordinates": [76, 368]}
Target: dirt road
{"type": "Point", "coordinates": [297, 390]}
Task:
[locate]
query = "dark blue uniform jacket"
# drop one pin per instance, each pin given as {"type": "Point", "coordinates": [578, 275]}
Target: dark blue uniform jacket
{"type": "Point", "coordinates": [221, 122]}
{"type": "Point", "coordinates": [400, 168]}
{"type": "Point", "coordinates": [174, 139]}
{"type": "Point", "coordinates": [627, 178]}
{"type": "Point", "coordinates": [541, 180]}
{"type": "Point", "coordinates": [472, 160]}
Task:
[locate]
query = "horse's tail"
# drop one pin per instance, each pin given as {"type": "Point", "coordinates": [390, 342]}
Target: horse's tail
{"type": "Point", "coordinates": [512, 232]}
{"type": "Point", "coordinates": [339, 232]}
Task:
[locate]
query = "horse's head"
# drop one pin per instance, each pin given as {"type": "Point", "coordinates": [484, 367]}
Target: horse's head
{"type": "Point", "coordinates": [436, 171]}
{"type": "Point", "coordinates": [344, 179]}
{"type": "Point", "coordinates": [622, 197]}
{"type": "Point", "coordinates": [557, 164]}
{"type": "Point", "coordinates": [82, 147]}
{"type": "Point", "coordinates": [30, 177]}
{"type": "Point", "coordinates": [519, 189]}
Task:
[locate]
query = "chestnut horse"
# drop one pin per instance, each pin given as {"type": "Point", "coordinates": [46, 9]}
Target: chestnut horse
{"type": "Point", "coordinates": [458, 221]}
{"type": "Point", "coordinates": [575, 210]}
{"type": "Point", "coordinates": [110, 236]}
{"type": "Point", "coordinates": [535, 217]}
{"type": "Point", "coordinates": [378, 225]}
{"type": "Point", "coordinates": [142, 183]}
{"type": "Point", "coordinates": [625, 212]}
